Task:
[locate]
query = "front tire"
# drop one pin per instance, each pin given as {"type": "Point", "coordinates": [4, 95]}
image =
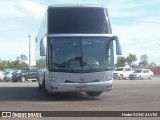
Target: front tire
{"type": "Point", "coordinates": [139, 78]}
{"type": "Point", "coordinates": [39, 86]}
{"type": "Point", "coordinates": [23, 79]}
{"type": "Point", "coordinates": [48, 94]}
{"type": "Point", "coordinates": [94, 94]}
{"type": "Point", "coordinates": [121, 77]}
{"type": "Point", "coordinates": [151, 77]}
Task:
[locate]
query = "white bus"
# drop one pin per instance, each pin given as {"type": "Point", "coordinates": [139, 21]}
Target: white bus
{"type": "Point", "coordinates": [74, 50]}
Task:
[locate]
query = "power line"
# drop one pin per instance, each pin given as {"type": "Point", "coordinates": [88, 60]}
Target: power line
{"type": "Point", "coordinates": [149, 22]}
{"type": "Point", "coordinates": [39, 2]}
{"type": "Point", "coordinates": [142, 42]}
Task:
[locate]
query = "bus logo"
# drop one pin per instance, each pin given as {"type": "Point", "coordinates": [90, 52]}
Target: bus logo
{"type": "Point", "coordinates": [82, 79]}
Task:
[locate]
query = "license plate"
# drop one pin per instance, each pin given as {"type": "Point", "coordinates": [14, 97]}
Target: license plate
{"type": "Point", "coordinates": [81, 88]}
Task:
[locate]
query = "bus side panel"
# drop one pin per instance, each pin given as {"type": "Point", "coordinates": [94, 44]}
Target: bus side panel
{"type": "Point", "coordinates": [41, 60]}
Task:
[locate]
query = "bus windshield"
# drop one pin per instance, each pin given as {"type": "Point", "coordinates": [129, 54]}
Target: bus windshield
{"type": "Point", "coordinates": [78, 20]}
{"type": "Point", "coordinates": [80, 54]}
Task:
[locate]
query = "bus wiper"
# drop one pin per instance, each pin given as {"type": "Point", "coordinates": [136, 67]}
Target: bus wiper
{"type": "Point", "coordinates": [73, 68]}
{"type": "Point", "coordinates": [107, 68]}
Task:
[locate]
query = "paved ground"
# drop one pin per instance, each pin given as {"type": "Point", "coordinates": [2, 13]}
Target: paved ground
{"type": "Point", "coordinates": [127, 95]}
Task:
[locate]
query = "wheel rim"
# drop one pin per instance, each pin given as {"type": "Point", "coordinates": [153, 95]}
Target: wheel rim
{"type": "Point", "coordinates": [139, 78]}
{"type": "Point", "coordinates": [23, 79]}
{"type": "Point", "coordinates": [121, 77]}
{"type": "Point", "coordinates": [150, 77]}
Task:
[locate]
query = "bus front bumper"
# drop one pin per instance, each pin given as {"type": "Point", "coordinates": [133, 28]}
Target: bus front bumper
{"type": "Point", "coordinates": [80, 87]}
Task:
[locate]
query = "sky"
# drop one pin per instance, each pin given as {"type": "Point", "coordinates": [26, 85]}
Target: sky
{"type": "Point", "coordinates": [137, 23]}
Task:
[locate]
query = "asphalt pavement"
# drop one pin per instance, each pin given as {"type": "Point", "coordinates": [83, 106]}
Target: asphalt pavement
{"type": "Point", "coordinates": [127, 95]}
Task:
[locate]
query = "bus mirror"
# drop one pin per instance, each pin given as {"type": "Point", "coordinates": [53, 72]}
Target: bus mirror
{"type": "Point", "coordinates": [43, 43]}
{"type": "Point", "coordinates": [118, 46]}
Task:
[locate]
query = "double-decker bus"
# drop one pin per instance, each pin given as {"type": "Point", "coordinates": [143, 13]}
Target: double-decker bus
{"type": "Point", "coordinates": [74, 50]}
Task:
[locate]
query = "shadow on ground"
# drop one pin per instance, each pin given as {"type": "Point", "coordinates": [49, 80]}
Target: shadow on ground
{"type": "Point", "coordinates": [34, 94]}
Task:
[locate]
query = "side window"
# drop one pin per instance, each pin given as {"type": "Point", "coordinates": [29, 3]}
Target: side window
{"type": "Point", "coordinates": [145, 71]}
{"type": "Point", "coordinates": [24, 71]}
{"type": "Point", "coordinates": [129, 69]}
{"type": "Point", "coordinates": [32, 70]}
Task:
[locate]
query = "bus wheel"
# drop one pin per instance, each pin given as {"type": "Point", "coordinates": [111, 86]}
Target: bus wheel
{"type": "Point", "coordinates": [48, 94]}
{"type": "Point", "coordinates": [94, 94]}
{"type": "Point", "coordinates": [40, 86]}
{"type": "Point", "coordinates": [43, 86]}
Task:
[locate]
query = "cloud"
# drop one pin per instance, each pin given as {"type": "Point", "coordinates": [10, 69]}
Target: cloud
{"type": "Point", "coordinates": [15, 25]}
{"type": "Point", "coordinates": [139, 38]}
{"type": "Point", "coordinates": [13, 49]}
{"type": "Point", "coordinates": [7, 9]}
{"type": "Point", "coordinates": [136, 9]}
{"type": "Point", "coordinates": [22, 17]}
{"type": "Point", "coordinates": [29, 8]}
{"type": "Point", "coordinates": [127, 4]}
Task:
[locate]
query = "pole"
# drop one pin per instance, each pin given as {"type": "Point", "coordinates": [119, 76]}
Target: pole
{"type": "Point", "coordinates": [29, 51]}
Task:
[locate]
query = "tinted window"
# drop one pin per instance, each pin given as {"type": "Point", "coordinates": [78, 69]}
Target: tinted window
{"type": "Point", "coordinates": [137, 71]}
{"type": "Point", "coordinates": [80, 54]}
{"type": "Point", "coordinates": [119, 69]}
{"type": "Point", "coordinates": [32, 70]}
{"type": "Point", "coordinates": [78, 20]}
{"type": "Point", "coordinates": [24, 71]}
{"type": "Point", "coordinates": [128, 69]}
{"type": "Point", "coordinates": [146, 71]}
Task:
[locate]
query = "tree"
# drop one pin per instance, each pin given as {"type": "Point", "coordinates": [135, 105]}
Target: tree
{"type": "Point", "coordinates": [144, 59]}
{"type": "Point", "coordinates": [23, 57]}
{"type": "Point", "coordinates": [19, 63]}
{"type": "Point", "coordinates": [153, 64]}
{"type": "Point", "coordinates": [131, 59]}
{"type": "Point", "coordinates": [120, 62]}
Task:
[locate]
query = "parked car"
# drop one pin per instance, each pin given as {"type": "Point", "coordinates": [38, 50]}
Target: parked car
{"type": "Point", "coordinates": [19, 76]}
{"type": "Point", "coordinates": [122, 72]}
{"type": "Point", "coordinates": [141, 74]}
{"type": "Point", "coordinates": [8, 75]}
{"type": "Point", "coordinates": [32, 75]}
{"type": "Point", "coordinates": [29, 74]}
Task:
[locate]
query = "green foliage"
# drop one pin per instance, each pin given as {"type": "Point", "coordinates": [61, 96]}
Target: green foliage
{"type": "Point", "coordinates": [16, 64]}
{"type": "Point", "coordinates": [153, 64]}
{"type": "Point", "coordinates": [131, 59]}
{"type": "Point", "coordinates": [144, 59]}
{"type": "Point", "coordinates": [120, 61]}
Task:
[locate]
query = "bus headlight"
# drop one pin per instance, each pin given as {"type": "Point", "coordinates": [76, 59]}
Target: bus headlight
{"type": "Point", "coordinates": [54, 79]}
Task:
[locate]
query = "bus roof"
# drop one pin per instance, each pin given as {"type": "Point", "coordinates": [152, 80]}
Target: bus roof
{"type": "Point", "coordinates": [77, 5]}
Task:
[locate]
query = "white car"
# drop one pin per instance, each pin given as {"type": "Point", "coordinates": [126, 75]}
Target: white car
{"type": "Point", "coordinates": [141, 74]}
{"type": "Point", "coordinates": [8, 76]}
{"type": "Point", "coordinates": [1, 76]}
{"type": "Point", "coordinates": [122, 73]}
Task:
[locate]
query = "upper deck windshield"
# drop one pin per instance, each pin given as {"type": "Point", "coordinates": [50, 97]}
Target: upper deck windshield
{"type": "Point", "coordinates": [78, 20]}
{"type": "Point", "coordinates": [80, 54]}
